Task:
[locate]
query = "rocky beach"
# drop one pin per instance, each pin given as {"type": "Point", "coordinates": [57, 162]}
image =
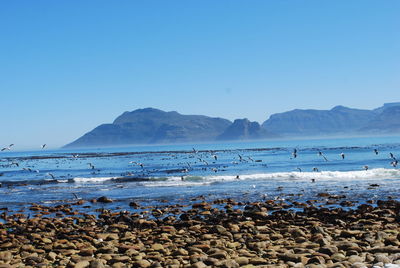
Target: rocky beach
{"type": "Point", "coordinates": [204, 233]}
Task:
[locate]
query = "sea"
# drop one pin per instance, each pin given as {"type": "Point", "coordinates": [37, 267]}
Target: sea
{"type": "Point", "coordinates": [360, 169]}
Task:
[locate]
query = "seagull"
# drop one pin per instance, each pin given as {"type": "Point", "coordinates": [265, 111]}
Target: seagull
{"type": "Point", "coordinates": [240, 158]}
{"type": "Point", "coordinates": [215, 156]}
{"type": "Point", "coordinates": [321, 154]}
{"type": "Point", "coordinates": [299, 169]}
{"type": "Point", "coordinates": [394, 163]}
{"type": "Point", "coordinates": [294, 153]}
{"type": "Point", "coordinates": [44, 145]}
{"type": "Point", "coordinates": [51, 175]}
{"type": "Point", "coordinates": [194, 150]}
{"type": "Point", "coordinates": [15, 163]}
{"type": "Point", "coordinates": [376, 151]}
{"type": "Point", "coordinates": [392, 156]}
{"type": "Point", "coordinates": [315, 169]}
{"type": "Point", "coordinates": [136, 163]}
{"type": "Point", "coordinates": [251, 159]}
{"type": "Point", "coordinates": [366, 167]}
{"type": "Point", "coordinates": [342, 155]}
{"type": "Point", "coordinates": [91, 165]}
{"type": "Point", "coordinates": [214, 169]}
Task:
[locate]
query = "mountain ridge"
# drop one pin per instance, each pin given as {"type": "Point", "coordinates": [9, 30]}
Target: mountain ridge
{"type": "Point", "coordinates": [151, 126]}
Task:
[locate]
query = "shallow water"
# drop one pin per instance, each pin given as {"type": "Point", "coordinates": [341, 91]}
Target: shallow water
{"type": "Point", "coordinates": [244, 170]}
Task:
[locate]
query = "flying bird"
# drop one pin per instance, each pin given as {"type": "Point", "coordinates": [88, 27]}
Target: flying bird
{"type": "Point", "coordinates": [294, 153]}
{"type": "Point", "coordinates": [366, 167]}
{"type": "Point", "coordinates": [342, 155]}
{"type": "Point", "coordinates": [376, 151]}
{"type": "Point", "coordinates": [51, 175]}
{"type": "Point", "coordinates": [44, 145]}
{"type": "Point", "coordinates": [321, 154]}
{"type": "Point", "coordinates": [91, 165]}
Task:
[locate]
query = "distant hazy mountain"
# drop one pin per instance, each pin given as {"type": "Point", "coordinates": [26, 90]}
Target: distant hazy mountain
{"type": "Point", "coordinates": [337, 121]}
{"type": "Point", "coordinates": [385, 122]}
{"type": "Point", "coordinates": [243, 129]}
{"type": "Point", "coordinates": [145, 126]}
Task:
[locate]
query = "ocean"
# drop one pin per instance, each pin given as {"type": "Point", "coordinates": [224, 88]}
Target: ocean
{"type": "Point", "coordinates": [245, 171]}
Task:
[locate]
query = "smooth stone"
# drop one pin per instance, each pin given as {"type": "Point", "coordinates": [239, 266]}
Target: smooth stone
{"type": "Point", "coordinates": [82, 264]}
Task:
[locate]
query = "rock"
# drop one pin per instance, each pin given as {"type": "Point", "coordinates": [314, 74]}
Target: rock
{"type": "Point", "coordinates": [355, 259]}
{"type": "Point", "coordinates": [96, 264]}
{"type": "Point", "coordinates": [104, 199]}
{"type": "Point", "coordinates": [82, 264]}
{"type": "Point", "coordinates": [293, 257]}
{"type": "Point", "coordinates": [358, 265]}
{"type": "Point", "coordinates": [157, 247]}
{"type": "Point", "coordinates": [5, 256]}
{"type": "Point", "coordinates": [199, 264]}
{"type": "Point", "coordinates": [142, 264]}
{"type": "Point", "coordinates": [242, 260]}
{"type": "Point", "coordinates": [258, 261]}
{"type": "Point", "coordinates": [381, 258]}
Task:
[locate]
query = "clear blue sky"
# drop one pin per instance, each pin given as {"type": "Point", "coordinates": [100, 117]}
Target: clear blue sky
{"type": "Point", "coordinates": [68, 66]}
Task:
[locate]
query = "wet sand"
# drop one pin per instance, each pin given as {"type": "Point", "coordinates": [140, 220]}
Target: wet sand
{"type": "Point", "coordinates": [218, 233]}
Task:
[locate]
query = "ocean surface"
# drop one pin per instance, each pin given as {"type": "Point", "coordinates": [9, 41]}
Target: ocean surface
{"type": "Point", "coordinates": [246, 171]}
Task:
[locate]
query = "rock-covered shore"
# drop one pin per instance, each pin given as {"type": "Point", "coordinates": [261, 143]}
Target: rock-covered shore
{"type": "Point", "coordinates": [219, 233]}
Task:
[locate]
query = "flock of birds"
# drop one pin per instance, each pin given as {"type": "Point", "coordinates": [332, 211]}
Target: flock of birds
{"type": "Point", "coordinates": [202, 159]}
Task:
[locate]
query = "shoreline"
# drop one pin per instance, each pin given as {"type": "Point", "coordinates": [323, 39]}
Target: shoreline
{"type": "Point", "coordinates": [218, 233]}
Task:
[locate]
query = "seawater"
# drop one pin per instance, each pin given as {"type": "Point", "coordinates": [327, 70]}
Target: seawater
{"type": "Point", "coordinates": [246, 171]}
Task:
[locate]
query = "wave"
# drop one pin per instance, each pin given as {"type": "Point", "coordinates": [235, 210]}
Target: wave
{"type": "Point", "coordinates": [378, 173]}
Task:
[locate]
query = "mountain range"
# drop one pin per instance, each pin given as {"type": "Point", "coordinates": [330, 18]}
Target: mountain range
{"type": "Point", "coordinates": [153, 126]}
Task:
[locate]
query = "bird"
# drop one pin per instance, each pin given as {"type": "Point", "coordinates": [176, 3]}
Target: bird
{"type": "Point", "coordinates": [240, 158]}
{"type": "Point", "coordinates": [394, 163]}
{"type": "Point", "coordinates": [51, 175]}
{"type": "Point", "coordinates": [299, 169]}
{"type": "Point", "coordinates": [376, 151]}
{"type": "Point", "coordinates": [136, 163]}
{"type": "Point", "coordinates": [392, 156]}
{"type": "Point", "coordinates": [44, 145]}
{"type": "Point", "coordinates": [294, 153]}
{"type": "Point", "coordinates": [90, 165]}
{"type": "Point", "coordinates": [251, 159]}
{"type": "Point", "coordinates": [315, 169]}
{"type": "Point", "coordinates": [194, 150]}
{"type": "Point", "coordinates": [7, 148]}
{"type": "Point", "coordinates": [342, 155]}
{"type": "Point", "coordinates": [215, 156]}
{"type": "Point", "coordinates": [321, 154]}
{"type": "Point", "coordinates": [366, 167]}
{"type": "Point", "coordinates": [214, 169]}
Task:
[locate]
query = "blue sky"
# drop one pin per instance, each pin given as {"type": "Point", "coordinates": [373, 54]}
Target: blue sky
{"type": "Point", "coordinates": [68, 66]}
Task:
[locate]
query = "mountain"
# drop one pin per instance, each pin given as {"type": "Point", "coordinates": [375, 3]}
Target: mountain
{"type": "Point", "coordinates": [338, 120]}
{"type": "Point", "coordinates": [146, 126]}
{"type": "Point", "coordinates": [385, 122]}
{"type": "Point", "coordinates": [243, 129]}
{"type": "Point", "coordinates": [149, 126]}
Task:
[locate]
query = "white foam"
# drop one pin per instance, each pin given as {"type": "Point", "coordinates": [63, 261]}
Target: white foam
{"type": "Point", "coordinates": [323, 175]}
{"type": "Point", "coordinates": [175, 181]}
{"type": "Point", "coordinates": [92, 179]}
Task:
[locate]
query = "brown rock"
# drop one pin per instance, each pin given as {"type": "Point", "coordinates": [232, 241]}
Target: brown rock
{"type": "Point", "coordinates": [82, 264]}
